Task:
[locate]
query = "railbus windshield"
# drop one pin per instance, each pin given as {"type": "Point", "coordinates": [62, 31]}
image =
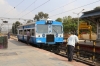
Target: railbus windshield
{"type": "Point", "coordinates": [56, 29]}
{"type": "Point", "coordinates": [42, 28]}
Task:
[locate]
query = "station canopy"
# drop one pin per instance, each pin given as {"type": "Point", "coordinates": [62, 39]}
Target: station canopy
{"type": "Point", "coordinates": [93, 15]}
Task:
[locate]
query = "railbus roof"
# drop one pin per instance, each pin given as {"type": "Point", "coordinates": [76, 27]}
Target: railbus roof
{"type": "Point", "coordinates": [27, 24]}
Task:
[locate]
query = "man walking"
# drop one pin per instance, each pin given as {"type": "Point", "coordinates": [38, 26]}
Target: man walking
{"type": "Point", "coordinates": [72, 39]}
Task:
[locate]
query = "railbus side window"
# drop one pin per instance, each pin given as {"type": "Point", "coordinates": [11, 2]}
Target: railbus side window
{"type": "Point", "coordinates": [20, 32]}
{"type": "Point", "coordinates": [98, 24]}
{"type": "Point", "coordinates": [24, 32]}
{"type": "Point", "coordinates": [28, 30]}
{"type": "Point", "coordinates": [99, 31]}
{"type": "Point", "coordinates": [17, 31]}
{"type": "Point", "coordinates": [33, 32]}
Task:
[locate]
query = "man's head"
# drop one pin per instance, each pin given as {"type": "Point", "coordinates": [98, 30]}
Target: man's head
{"type": "Point", "coordinates": [70, 33]}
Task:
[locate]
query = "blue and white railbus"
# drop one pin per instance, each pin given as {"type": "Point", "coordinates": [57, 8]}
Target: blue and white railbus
{"type": "Point", "coordinates": [43, 32]}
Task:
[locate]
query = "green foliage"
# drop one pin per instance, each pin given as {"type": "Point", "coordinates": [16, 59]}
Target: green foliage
{"type": "Point", "coordinates": [14, 27]}
{"type": "Point", "coordinates": [41, 15]}
{"type": "Point", "coordinates": [59, 19]}
{"type": "Point", "coordinates": [69, 24]}
{"type": "Point", "coordinates": [97, 8]}
{"type": "Point", "coordinates": [29, 21]}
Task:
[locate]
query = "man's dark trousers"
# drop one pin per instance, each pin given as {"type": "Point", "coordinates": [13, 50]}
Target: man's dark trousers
{"type": "Point", "coordinates": [70, 51]}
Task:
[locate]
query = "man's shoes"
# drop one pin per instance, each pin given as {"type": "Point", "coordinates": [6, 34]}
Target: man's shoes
{"type": "Point", "coordinates": [27, 44]}
{"type": "Point", "coordinates": [71, 60]}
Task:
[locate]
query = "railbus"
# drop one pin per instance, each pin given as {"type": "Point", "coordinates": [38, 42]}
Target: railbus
{"type": "Point", "coordinates": [43, 32]}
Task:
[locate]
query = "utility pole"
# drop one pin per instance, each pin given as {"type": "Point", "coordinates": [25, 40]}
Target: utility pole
{"type": "Point", "coordinates": [78, 21]}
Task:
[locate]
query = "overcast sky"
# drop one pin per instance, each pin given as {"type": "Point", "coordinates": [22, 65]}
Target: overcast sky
{"type": "Point", "coordinates": [55, 8]}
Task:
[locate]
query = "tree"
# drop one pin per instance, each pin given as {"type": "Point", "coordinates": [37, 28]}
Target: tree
{"type": "Point", "coordinates": [41, 15]}
{"type": "Point", "coordinates": [59, 19]}
{"type": "Point", "coordinates": [46, 15]}
{"type": "Point", "coordinates": [36, 17]}
{"type": "Point", "coordinates": [69, 23]}
{"type": "Point", "coordinates": [14, 27]}
{"type": "Point", "coordinates": [97, 8]}
{"type": "Point", "coordinates": [29, 21]}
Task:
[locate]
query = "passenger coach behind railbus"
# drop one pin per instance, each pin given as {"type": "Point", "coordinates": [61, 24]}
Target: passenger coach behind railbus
{"type": "Point", "coordinates": [43, 32]}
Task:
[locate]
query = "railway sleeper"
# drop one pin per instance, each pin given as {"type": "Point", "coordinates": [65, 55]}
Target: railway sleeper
{"type": "Point", "coordinates": [85, 54]}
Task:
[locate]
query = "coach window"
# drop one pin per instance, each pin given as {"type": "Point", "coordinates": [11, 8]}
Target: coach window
{"type": "Point", "coordinates": [98, 30]}
{"type": "Point", "coordinates": [33, 32]}
{"type": "Point", "coordinates": [98, 24]}
{"type": "Point", "coordinates": [19, 31]}
{"type": "Point", "coordinates": [30, 31]}
{"type": "Point", "coordinates": [98, 36]}
{"type": "Point", "coordinates": [24, 32]}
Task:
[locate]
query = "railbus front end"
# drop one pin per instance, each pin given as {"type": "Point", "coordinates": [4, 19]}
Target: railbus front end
{"type": "Point", "coordinates": [49, 32]}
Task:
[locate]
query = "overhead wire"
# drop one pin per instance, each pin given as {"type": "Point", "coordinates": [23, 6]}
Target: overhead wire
{"type": "Point", "coordinates": [2, 18]}
{"type": "Point", "coordinates": [19, 3]}
{"type": "Point", "coordinates": [13, 8]}
{"type": "Point", "coordinates": [63, 6]}
{"type": "Point", "coordinates": [75, 8]}
{"type": "Point", "coordinates": [27, 7]}
{"type": "Point", "coordinates": [36, 8]}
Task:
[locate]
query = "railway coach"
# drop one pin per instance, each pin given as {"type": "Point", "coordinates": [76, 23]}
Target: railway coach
{"type": "Point", "coordinates": [43, 32]}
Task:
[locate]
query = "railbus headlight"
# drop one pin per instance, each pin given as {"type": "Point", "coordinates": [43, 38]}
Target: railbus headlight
{"type": "Point", "coordinates": [43, 35]}
{"type": "Point", "coordinates": [38, 35]}
{"type": "Point", "coordinates": [56, 35]}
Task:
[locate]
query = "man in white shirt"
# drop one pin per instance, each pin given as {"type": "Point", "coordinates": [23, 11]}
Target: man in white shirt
{"type": "Point", "coordinates": [71, 41]}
